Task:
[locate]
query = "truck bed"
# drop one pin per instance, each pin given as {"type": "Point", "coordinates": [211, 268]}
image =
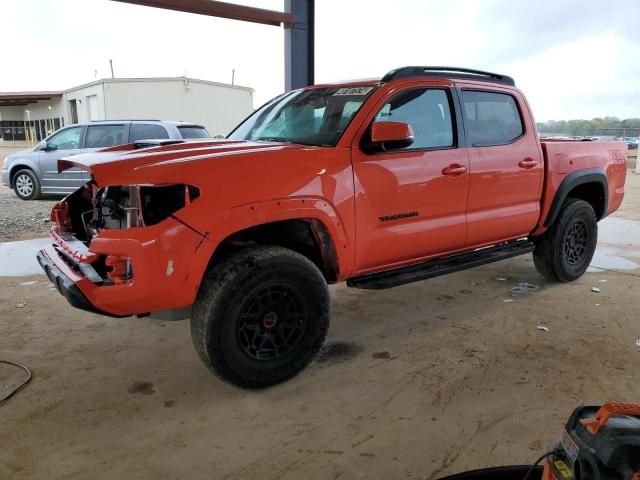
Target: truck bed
{"type": "Point", "coordinates": [574, 157]}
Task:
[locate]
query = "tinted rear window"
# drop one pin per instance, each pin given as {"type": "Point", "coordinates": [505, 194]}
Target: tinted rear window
{"type": "Point", "coordinates": [147, 131]}
{"type": "Point", "coordinates": [491, 118]}
{"type": "Point", "coordinates": [193, 132]}
{"type": "Point", "coordinates": [100, 136]}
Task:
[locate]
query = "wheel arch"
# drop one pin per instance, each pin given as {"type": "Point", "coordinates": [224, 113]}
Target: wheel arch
{"type": "Point", "coordinates": [309, 221]}
{"type": "Point", "coordinates": [307, 236]}
{"type": "Point", "coordinates": [589, 185]}
{"type": "Point", "coordinates": [22, 165]}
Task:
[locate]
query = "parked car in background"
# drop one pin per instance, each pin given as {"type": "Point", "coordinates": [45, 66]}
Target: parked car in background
{"type": "Point", "coordinates": [604, 138]}
{"type": "Point", "coordinates": [632, 142]}
{"type": "Point", "coordinates": [33, 172]}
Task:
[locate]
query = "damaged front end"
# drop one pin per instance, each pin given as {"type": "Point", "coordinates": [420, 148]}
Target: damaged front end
{"type": "Point", "coordinates": [91, 210]}
{"type": "Point", "coordinates": [110, 247]}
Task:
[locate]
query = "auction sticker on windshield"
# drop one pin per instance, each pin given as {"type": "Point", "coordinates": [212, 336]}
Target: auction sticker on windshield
{"type": "Point", "coordinates": [353, 91]}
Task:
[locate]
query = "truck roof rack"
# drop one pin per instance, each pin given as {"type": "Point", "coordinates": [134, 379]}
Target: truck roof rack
{"type": "Point", "coordinates": [449, 72]}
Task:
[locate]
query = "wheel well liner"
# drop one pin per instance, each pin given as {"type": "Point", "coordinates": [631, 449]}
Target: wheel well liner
{"type": "Point", "coordinates": [589, 185]}
{"type": "Point", "coordinates": [308, 237]}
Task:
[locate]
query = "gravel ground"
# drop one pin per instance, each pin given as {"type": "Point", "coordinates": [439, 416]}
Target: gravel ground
{"type": "Point", "coordinates": [21, 220]}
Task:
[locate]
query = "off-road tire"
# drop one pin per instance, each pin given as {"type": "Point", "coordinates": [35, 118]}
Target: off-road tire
{"type": "Point", "coordinates": [559, 258]}
{"type": "Point", "coordinates": [26, 185]}
{"type": "Point", "coordinates": [278, 281]}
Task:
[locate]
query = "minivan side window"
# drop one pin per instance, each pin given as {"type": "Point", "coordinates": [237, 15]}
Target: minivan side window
{"type": "Point", "coordinates": [101, 136]}
{"type": "Point", "coordinates": [147, 131]}
{"type": "Point", "coordinates": [193, 132]}
{"type": "Point", "coordinates": [428, 112]}
{"type": "Point", "coordinates": [65, 140]}
{"type": "Point", "coordinates": [491, 118]}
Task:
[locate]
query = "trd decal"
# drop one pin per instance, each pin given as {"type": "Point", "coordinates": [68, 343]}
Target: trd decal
{"type": "Point", "coordinates": [397, 216]}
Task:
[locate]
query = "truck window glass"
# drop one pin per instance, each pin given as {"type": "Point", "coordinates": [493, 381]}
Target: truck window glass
{"type": "Point", "coordinates": [491, 118]}
{"type": "Point", "coordinates": [147, 131]}
{"type": "Point", "coordinates": [310, 117]}
{"type": "Point", "coordinates": [100, 136]}
{"type": "Point", "coordinates": [427, 111]}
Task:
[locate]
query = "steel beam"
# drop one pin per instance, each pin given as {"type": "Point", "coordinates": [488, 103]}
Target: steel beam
{"type": "Point", "coordinates": [299, 44]}
{"type": "Point", "coordinates": [220, 9]}
{"type": "Point", "coordinates": [298, 20]}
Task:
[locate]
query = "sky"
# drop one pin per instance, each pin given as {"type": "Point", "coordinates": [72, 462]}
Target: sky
{"type": "Point", "coordinates": [571, 58]}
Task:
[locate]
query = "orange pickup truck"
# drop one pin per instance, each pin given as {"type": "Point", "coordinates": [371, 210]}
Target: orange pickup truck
{"type": "Point", "coordinates": [377, 183]}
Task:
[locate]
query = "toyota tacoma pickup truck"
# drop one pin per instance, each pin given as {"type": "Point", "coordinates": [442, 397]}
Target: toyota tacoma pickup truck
{"type": "Point", "coordinates": [378, 183]}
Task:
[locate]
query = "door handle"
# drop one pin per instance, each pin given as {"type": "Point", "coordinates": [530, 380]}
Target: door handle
{"type": "Point", "coordinates": [454, 169]}
{"type": "Point", "coordinates": [528, 163]}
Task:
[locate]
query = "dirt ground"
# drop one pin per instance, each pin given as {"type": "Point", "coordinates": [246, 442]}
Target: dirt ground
{"type": "Point", "coordinates": [415, 382]}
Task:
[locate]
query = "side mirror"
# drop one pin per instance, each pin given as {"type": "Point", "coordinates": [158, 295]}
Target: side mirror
{"type": "Point", "coordinates": [390, 135]}
{"type": "Point", "coordinates": [45, 147]}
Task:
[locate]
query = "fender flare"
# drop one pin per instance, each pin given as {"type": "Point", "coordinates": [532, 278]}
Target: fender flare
{"type": "Point", "coordinates": [246, 216]}
{"type": "Point", "coordinates": [571, 181]}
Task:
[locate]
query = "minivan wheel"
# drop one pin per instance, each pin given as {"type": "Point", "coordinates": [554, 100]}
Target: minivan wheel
{"type": "Point", "coordinates": [26, 185]}
{"type": "Point", "coordinates": [260, 317]}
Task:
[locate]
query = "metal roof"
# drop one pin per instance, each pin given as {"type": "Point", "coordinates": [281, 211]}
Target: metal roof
{"type": "Point", "coordinates": [8, 99]}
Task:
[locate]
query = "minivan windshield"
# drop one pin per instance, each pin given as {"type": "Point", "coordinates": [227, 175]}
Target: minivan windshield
{"type": "Point", "coordinates": [317, 116]}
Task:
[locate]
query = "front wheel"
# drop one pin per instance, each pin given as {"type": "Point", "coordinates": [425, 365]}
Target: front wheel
{"type": "Point", "coordinates": [260, 317]}
{"type": "Point", "coordinates": [563, 253]}
{"type": "Point", "coordinates": [26, 185]}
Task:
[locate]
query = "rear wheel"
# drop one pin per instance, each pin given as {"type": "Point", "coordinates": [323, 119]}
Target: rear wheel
{"type": "Point", "coordinates": [26, 185]}
{"type": "Point", "coordinates": [260, 317]}
{"type": "Point", "coordinates": [563, 253]}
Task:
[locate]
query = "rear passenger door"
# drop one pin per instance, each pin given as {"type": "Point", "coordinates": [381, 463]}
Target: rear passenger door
{"type": "Point", "coordinates": [506, 166]}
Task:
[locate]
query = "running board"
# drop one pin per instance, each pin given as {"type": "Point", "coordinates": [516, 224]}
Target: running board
{"type": "Point", "coordinates": [440, 266]}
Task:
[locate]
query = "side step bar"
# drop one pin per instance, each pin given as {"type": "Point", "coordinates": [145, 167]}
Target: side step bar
{"type": "Point", "coordinates": [440, 266]}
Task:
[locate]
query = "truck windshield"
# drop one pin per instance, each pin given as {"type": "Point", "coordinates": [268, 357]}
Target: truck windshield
{"type": "Point", "coordinates": [317, 116]}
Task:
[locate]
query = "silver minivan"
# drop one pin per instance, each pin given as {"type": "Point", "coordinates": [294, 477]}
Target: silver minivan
{"type": "Point", "coordinates": [34, 172]}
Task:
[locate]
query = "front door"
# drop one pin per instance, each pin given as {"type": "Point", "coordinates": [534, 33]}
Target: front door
{"type": "Point", "coordinates": [411, 202]}
{"type": "Point", "coordinates": [62, 144]}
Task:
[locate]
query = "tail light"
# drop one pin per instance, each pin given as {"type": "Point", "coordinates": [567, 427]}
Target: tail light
{"type": "Point", "coordinates": [60, 215]}
{"type": "Point", "coordinates": [121, 271]}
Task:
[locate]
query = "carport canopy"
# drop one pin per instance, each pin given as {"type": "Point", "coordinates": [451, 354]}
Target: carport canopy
{"type": "Point", "coordinates": [15, 99]}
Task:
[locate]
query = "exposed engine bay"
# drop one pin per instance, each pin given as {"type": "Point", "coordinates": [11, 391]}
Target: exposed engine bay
{"type": "Point", "coordinates": [91, 209]}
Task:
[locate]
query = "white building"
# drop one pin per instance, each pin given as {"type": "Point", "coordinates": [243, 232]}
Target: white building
{"type": "Point", "coordinates": [217, 106]}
